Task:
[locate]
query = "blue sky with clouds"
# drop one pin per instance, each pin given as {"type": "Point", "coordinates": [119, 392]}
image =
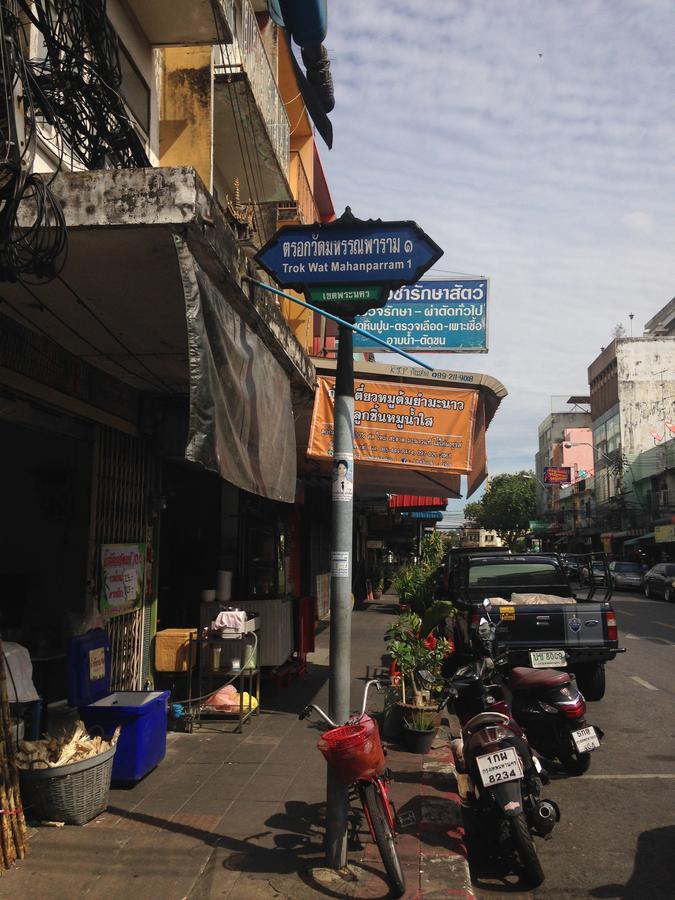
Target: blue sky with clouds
{"type": "Point", "coordinates": [534, 140]}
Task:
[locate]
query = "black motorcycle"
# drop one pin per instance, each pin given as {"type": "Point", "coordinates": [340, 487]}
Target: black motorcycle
{"type": "Point", "coordinates": [504, 779]}
{"type": "Point", "coordinates": [549, 706]}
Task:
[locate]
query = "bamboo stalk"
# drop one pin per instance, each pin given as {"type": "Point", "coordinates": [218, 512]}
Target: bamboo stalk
{"type": "Point", "coordinates": [12, 821]}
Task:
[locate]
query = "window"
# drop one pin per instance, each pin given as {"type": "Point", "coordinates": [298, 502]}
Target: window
{"type": "Point", "coordinates": [514, 574]}
{"type": "Point", "coordinates": [134, 90]}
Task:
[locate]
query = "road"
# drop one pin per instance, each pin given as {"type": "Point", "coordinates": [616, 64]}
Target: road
{"type": "Point", "coordinates": [616, 837]}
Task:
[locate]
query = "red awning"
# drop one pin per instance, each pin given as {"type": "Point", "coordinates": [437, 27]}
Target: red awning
{"type": "Point", "coordinates": [410, 501]}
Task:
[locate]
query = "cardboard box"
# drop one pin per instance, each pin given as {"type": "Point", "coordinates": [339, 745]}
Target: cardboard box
{"type": "Point", "coordinates": [171, 649]}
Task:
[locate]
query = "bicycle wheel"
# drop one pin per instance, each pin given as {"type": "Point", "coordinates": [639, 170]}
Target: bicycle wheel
{"type": "Point", "coordinates": [373, 798]}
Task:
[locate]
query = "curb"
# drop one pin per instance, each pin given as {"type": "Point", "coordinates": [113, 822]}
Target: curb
{"type": "Point", "coordinates": [431, 841]}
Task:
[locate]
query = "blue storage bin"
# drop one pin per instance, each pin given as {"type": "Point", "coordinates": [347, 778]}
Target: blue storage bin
{"type": "Point", "coordinates": [142, 741]}
{"type": "Point", "coordinates": [141, 714]}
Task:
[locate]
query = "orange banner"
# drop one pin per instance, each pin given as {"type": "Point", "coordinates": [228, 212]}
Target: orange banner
{"type": "Point", "coordinates": [426, 427]}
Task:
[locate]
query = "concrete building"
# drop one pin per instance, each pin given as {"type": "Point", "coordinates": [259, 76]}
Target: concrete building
{"type": "Point", "coordinates": [632, 388]}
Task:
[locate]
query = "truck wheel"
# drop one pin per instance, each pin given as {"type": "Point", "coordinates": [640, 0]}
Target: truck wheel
{"type": "Point", "coordinates": [591, 680]}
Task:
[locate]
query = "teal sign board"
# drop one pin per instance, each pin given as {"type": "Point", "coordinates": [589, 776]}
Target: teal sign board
{"type": "Point", "coordinates": [431, 317]}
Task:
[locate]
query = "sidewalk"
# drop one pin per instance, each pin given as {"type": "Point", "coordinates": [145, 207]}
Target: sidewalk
{"type": "Point", "coordinates": [242, 816]}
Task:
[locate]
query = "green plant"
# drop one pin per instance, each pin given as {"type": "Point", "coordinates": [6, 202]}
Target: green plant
{"type": "Point", "coordinates": [419, 719]}
{"type": "Point", "coordinates": [417, 582]}
{"type": "Point", "coordinates": [415, 649]}
{"type": "Point", "coordinates": [378, 578]}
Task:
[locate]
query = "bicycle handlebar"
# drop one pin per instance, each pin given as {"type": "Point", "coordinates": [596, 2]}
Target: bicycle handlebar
{"type": "Point", "coordinates": [378, 682]}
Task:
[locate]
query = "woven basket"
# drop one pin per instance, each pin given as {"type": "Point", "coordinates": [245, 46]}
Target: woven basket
{"type": "Point", "coordinates": [73, 794]}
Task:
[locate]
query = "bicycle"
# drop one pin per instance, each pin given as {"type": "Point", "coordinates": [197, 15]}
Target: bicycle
{"type": "Point", "coordinates": [355, 753]}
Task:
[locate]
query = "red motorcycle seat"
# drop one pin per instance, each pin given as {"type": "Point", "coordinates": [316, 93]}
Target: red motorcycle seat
{"type": "Point", "coordinates": [524, 678]}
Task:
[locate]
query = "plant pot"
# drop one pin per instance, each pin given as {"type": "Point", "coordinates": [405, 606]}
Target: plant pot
{"type": "Point", "coordinates": [418, 741]}
{"type": "Point", "coordinates": [377, 593]}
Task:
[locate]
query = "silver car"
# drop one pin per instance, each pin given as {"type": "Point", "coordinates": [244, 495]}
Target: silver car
{"type": "Point", "coordinates": [626, 576]}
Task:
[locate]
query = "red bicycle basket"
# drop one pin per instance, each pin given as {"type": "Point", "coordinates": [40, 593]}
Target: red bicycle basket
{"type": "Point", "coordinates": [353, 751]}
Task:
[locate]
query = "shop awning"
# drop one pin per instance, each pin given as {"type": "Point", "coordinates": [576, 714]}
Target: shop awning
{"type": "Point", "coordinates": [645, 537]}
{"type": "Point", "coordinates": [429, 516]}
{"type": "Point", "coordinates": [151, 295]}
{"type": "Point", "coordinates": [411, 501]}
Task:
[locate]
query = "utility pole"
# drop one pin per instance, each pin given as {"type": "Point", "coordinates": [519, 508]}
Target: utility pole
{"type": "Point", "coordinates": [340, 595]}
{"type": "Point", "coordinates": [348, 266]}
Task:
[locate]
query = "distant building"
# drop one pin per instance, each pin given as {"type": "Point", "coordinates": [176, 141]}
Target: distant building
{"type": "Point", "coordinates": [632, 390]}
{"type": "Point", "coordinates": [576, 421]}
{"type": "Point", "coordinates": [473, 536]}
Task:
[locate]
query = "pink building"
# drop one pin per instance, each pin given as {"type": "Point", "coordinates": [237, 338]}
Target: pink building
{"type": "Point", "coordinates": [576, 451]}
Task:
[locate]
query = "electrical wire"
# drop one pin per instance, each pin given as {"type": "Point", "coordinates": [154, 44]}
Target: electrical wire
{"type": "Point", "coordinates": [249, 173]}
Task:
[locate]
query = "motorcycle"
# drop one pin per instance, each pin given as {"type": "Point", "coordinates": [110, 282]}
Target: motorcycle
{"type": "Point", "coordinates": [548, 705]}
{"type": "Point", "coordinates": [504, 778]}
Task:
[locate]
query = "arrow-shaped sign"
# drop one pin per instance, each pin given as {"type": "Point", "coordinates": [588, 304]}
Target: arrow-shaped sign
{"type": "Point", "coordinates": [348, 251]}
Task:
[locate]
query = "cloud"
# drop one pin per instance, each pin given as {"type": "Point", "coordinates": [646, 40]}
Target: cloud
{"type": "Point", "coordinates": [640, 222]}
{"type": "Point", "coordinates": [534, 142]}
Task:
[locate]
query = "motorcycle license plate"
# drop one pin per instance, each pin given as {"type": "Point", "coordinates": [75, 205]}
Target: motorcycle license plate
{"type": "Point", "coordinates": [585, 739]}
{"type": "Point", "coordinates": [503, 765]}
{"type": "Point", "coordinates": [542, 659]}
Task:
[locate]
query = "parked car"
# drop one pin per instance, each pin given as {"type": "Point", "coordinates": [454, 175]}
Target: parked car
{"type": "Point", "coordinates": [626, 575]}
{"type": "Point", "coordinates": [573, 568]}
{"type": "Point", "coordinates": [659, 581]}
{"type": "Point", "coordinates": [596, 575]}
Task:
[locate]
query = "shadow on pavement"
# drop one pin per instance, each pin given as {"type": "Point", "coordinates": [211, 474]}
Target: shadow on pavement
{"type": "Point", "coordinates": [653, 872]}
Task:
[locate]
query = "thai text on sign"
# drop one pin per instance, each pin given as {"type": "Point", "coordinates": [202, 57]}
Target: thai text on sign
{"type": "Point", "coordinates": [122, 578]}
{"type": "Point", "coordinates": [427, 427]}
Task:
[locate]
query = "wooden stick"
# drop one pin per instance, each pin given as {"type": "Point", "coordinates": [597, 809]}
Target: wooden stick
{"type": "Point", "coordinates": [12, 821]}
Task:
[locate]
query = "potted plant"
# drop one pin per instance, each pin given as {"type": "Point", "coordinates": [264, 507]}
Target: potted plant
{"type": "Point", "coordinates": [414, 646]}
{"type": "Point", "coordinates": [419, 729]}
{"type": "Point", "coordinates": [378, 583]}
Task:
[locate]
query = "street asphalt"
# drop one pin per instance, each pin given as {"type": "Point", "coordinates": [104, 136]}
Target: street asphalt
{"type": "Point", "coordinates": [616, 837]}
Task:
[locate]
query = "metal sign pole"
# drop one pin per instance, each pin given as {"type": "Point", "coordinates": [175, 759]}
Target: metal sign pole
{"type": "Point", "coordinates": [341, 580]}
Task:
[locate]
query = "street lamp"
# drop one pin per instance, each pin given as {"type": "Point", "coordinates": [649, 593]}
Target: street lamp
{"type": "Point", "coordinates": [593, 448]}
{"type": "Point", "coordinates": [536, 478]}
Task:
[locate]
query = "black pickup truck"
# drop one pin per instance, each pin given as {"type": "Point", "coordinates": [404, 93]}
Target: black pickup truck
{"type": "Point", "coordinates": [543, 624]}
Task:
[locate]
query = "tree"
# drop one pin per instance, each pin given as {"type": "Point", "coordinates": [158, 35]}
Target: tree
{"type": "Point", "coordinates": [618, 331]}
{"type": "Point", "coordinates": [507, 507]}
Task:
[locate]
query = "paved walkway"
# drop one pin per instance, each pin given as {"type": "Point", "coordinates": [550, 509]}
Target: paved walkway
{"type": "Point", "coordinates": [242, 816]}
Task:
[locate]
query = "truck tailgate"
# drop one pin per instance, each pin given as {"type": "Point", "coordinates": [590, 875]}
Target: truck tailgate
{"type": "Point", "coordinates": [552, 627]}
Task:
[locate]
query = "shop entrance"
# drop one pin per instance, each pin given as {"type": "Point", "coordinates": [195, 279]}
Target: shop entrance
{"type": "Point", "coordinates": [44, 533]}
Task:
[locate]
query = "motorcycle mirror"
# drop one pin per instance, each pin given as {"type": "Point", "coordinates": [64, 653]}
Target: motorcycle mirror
{"type": "Point", "coordinates": [487, 605]}
{"type": "Point", "coordinates": [426, 676]}
{"type": "Point", "coordinates": [483, 629]}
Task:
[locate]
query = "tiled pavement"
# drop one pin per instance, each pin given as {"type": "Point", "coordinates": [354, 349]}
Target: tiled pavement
{"type": "Point", "coordinates": [241, 816]}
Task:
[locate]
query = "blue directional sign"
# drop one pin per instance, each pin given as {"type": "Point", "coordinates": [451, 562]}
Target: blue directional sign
{"type": "Point", "coordinates": [348, 252]}
{"type": "Point", "coordinates": [431, 317]}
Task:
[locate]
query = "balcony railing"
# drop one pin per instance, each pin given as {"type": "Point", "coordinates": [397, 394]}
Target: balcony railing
{"type": "Point", "coordinates": [247, 55]}
{"type": "Point", "coordinates": [304, 209]}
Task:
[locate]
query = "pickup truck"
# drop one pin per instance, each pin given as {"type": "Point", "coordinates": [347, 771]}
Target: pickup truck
{"type": "Point", "coordinates": [543, 624]}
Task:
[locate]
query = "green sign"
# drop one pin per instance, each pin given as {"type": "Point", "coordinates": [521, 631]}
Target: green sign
{"type": "Point", "coordinates": [347, 294]}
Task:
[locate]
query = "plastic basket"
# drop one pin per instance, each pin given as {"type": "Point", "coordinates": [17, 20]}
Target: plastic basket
{"type": "Point", "coordinates": [73, 794]}
{"type": "Point", "coordinates": [353, 751]}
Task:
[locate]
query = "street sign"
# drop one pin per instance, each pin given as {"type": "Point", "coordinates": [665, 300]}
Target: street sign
{"type": "Point", "coordinates": [434, 316]}
{"type": "Point", "coordinates": [340, 295]}
{"type": "Point", "coordinates": [348, 253]}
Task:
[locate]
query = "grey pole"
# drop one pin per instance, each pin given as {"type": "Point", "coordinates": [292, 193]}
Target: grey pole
{"type": "Point", "coordinates": [341, 581]}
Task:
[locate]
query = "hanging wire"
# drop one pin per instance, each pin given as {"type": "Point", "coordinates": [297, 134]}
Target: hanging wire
{"type": "Point", "coordinates": [71, 90]}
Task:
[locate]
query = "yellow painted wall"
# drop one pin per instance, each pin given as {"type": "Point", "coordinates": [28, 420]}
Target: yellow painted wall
{"type": "Point", "coordinates": [300, 320]}
{"type": "Point", "coordinates": [186, 110]}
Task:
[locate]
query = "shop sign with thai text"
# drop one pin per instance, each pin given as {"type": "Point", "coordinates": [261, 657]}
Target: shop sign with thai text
{"type": "Point", "coordinates": [122, 578]}
{"type": "Point", "coordinates": [433, 316]}
{"type": "Point", "coordinates": [418, 425]}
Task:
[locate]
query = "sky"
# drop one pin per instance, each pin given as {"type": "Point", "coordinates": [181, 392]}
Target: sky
{"type": "Point", "coordinates": [534, 141]}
